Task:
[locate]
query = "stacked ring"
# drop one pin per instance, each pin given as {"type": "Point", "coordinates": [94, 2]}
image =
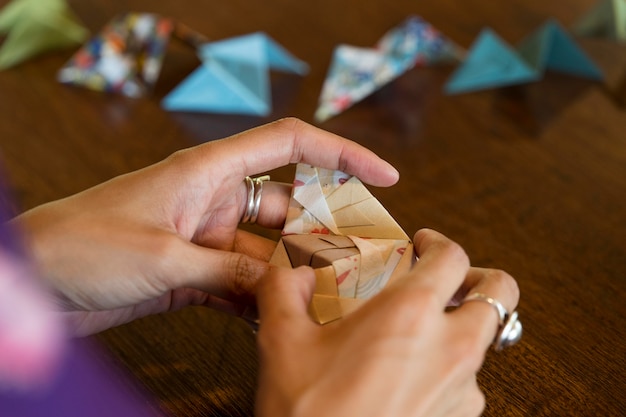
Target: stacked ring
{"type": "Point", "coordinates": [254, 188]}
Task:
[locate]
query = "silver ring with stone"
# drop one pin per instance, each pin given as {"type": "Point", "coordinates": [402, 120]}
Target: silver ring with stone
{"type": "Point", "coordinates": [509, 325]}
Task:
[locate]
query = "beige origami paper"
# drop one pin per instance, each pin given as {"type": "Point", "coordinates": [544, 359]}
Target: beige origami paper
{"type": "Point", "coordinates": [335, 225]}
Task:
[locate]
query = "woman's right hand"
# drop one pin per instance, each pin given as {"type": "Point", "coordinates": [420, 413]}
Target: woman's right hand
{"type": "Point", "coordinates": [401, 354]}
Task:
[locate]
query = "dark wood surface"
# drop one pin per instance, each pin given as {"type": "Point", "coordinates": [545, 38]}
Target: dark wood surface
{"type": "Point", "coordinates": [529, 179]}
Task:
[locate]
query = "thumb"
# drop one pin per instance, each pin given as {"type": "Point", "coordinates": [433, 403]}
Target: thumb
{"type": "Point", "coordinates": [283, 296]}
{"type": "Point", "coordinates": [228, 275]}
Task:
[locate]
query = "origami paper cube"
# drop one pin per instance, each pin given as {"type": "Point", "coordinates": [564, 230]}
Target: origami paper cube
{"type": "Point", "coordinates": [234, 77]}
{"type": "Point", "coordinates": [335, 225]}
{"type": "Point", "coordinates": [126, 57]}
{"type": "Point", "coordinates": [606, 19]}
{"type": "Point", "coordinates": [355, 72]}
{"type": "Point", "coordinates": [36, 26]}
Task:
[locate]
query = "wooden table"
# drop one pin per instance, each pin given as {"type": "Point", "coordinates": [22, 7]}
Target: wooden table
{"type": "Point", "coordinates": [529, 179]}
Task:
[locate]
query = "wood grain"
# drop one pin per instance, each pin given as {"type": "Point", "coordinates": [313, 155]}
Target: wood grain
{"type": "Point", "coordinates": [529, 179]}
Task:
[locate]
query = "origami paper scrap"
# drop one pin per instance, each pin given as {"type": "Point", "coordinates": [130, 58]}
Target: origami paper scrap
{"type": "Point", "coordinates": [490, 63]}
{"type": "Point", "coordinates": [355, 72]}
{"type": "Point", "coordinates": [550, 47]}
{"type": "Point", "coordinates": [606, 19]}
{"type": "Point", "coordinates": [125, 57]}
{"type": "Point", "coordinates": [36, 26]}
{"type": "Point", "coordinates": [335, 225]}
{"type": "Point", "coordinates": [234, 77]}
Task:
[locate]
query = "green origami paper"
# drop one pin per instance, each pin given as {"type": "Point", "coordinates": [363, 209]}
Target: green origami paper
{"type": "Point", "coordinates": [36, 26]}
{"type": "Point", "coordinates": [606, 19]}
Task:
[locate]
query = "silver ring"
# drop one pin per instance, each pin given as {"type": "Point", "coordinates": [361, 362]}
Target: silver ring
{"type": "Point", "coordinates": [254, 188]}
{"type": "Point", "coordinates": [509, 326]}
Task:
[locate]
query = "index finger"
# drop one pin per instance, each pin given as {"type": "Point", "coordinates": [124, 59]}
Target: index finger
{"type": "Point", "coordinates": [291, 140]}
{"type": "Point", "coordinates": [480, 317]}
{"type": "Point", "coordinates": [441, 268]}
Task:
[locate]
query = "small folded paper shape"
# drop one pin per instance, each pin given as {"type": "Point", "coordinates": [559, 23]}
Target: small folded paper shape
{"type": "Point", "coordinates": [36, 26]}
{"type": "Point", "coordinates": [336, 226]}
{"type": "Point", "coordinates": [125, 57]}
{"type": "Point", "coordinates": [234, 77]}
{"type": "Point", "coordinates": [551, 47]}
{"type": "Point", "coordinates": [355, 72]}
{"type": "Point", "coordinates": [607, 19]}
{"type": "Point", "coordinates": [491, 63]}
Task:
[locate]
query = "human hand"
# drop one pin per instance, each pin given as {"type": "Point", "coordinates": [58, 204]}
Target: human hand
{"type": "Point", "coordinates": [400, 354]}
{"type": "Point", "coordinates": [166, 236]}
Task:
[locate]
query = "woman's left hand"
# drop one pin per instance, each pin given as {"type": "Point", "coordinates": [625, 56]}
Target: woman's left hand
{"type": "Point", "coordinates": [167, 236]}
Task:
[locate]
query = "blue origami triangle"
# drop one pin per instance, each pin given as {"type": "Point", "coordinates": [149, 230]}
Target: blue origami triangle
{"type": "Point", "coordinates": [490, 63]}
{"type": "Point", "coordinates": [281, 60]}
{"type": "Point", "coordinates": [242, 64]}
{"type": "Point", "coordinates": [550, 47]}
{"type": "Point", "coordinates": [254, 47]}
{"type": "Point", "coordinates": [234, 77]}
{"type": "Point", "coordinates": [205, 91]}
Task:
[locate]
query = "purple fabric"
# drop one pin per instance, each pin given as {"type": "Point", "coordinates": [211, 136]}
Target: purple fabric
{"type": "Point", "coordinates": [88, 385]}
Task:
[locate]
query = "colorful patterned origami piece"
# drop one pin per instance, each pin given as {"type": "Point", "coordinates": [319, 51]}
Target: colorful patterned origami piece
{"type": "Point", "coordinates": [606, 19]}
{"type": "Point", "coordinates": [36, 26]}
{"type": "Point", "coordinates": [355, 73]}
{"type": "Point", "coordinates": [126, 57]}
{"type": "Point", "coordinates": [335, 225]}
{"type": "Point", "coordinates": [491, 63]}
{"type": "Point", "coordinates": [234, 77]}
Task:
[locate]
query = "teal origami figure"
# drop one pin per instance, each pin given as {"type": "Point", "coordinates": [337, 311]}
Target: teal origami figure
{"type": "Point", "coordinates": [234, 77]}
{"type": "Point", "coordinates": [607, 19]}
{"type": "Point", "coordinates": [33, 27]}
{"type": "Point", "coordinates": [491, 63]}
{"type": "Point", "coordinates": [551, 47]}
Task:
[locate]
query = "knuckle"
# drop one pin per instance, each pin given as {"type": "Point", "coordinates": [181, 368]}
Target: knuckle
{"type": "Point", "coordinates": [290, 123]}
{"type": "Point", "coordinates": [454, 251]}
{"type": "Point", "coordinates": [411, 310]}
{"type": "Point", "coordinates": [295, 127]}
{"type": "Point", "coordinates": [163, 249]}
{"type": "Point", "coordinates": [444, 246]}
{"type": "Point", "coordinates": [242, 274]}
{"type": "Point", "coordinates": [179, 158]}
{"type": "Point", "coordinates": [506, 282]}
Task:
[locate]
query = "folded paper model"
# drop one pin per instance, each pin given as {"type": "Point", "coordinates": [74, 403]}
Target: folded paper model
{"type": "Point", "coordinates": [357, 72]}
{"type": "Point", "coordinates": [125, 57]}
{"type": "Point", "coordinates": [335, 225]}
{"type": "Point", "coordinates": [234, 76]}
{"type": "Point", "coordinates": [33, 27]}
